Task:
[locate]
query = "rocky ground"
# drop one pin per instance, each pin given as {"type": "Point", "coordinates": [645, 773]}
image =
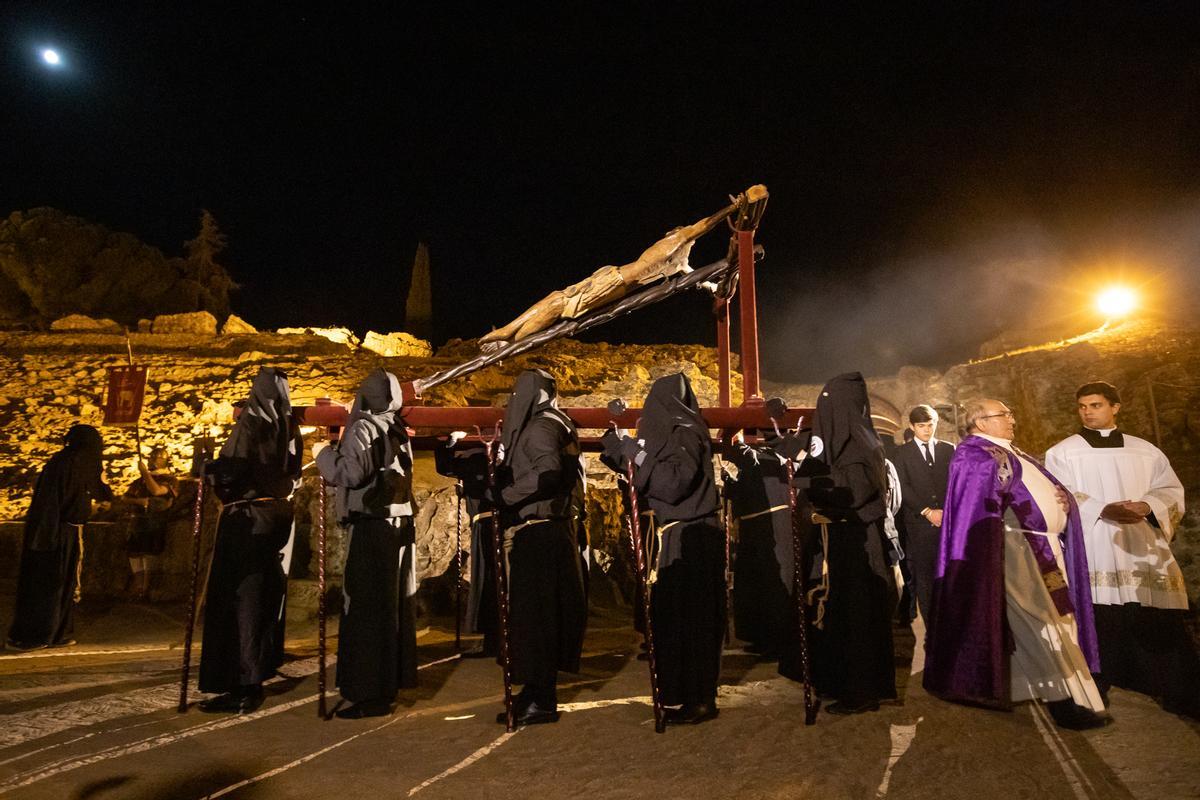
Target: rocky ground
{"type": "Point", "coordinates": [98, 720]}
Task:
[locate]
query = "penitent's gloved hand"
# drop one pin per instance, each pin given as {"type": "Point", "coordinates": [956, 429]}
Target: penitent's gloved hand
{"type": "Point", "coordinates": [632, 450]}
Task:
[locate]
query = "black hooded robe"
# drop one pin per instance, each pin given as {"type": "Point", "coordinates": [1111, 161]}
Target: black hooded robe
{"type": "Point", "coordinates": [468, 463]}
{"type": "Point", "coordinates": [673, 475]}
{"type": "Point", "coordinates": [62, 502]}
{"type": "Point", "coordinates": [244, 602]}
{"type": "Point", "coordinates": [372, 468]}
{"type": "Point", "coordinates": [854, 660]}
{"type": "Point", "coordinates": [540, 488]}
{"type": "Point", "coordinates": [763, 608]}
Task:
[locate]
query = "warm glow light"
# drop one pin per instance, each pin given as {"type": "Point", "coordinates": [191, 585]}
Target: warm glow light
{"type": "Point", "coordinates": [1116, 301]}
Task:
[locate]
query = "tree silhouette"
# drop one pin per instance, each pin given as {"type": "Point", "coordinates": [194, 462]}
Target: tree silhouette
{"type": "Point", "coordinates": [201, 266]}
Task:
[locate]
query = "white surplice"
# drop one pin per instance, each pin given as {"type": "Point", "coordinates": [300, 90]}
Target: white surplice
{"type": "Point", "coordinates": [1127, 563]}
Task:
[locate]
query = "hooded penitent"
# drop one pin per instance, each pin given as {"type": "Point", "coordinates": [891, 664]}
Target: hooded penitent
{"type": "Point", "coordinates": [69, 482]}
{"type": "Point", "coordinates": [375, 438]}
{"type": "Point", "coordinates": [843, 436]}
{"type": "Point", "coordinates": [670, 404]}
{"type": "Point", "coordinates": [261, 454]}
{"type": "Point", "coordinates": [533, 393]}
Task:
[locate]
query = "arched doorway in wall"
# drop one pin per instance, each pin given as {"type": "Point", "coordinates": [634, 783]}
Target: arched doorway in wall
{"type": "Point", "coordinates": [887, 419]}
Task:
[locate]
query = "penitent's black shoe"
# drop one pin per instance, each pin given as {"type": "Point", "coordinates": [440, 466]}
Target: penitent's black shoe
{"type": "Point", "coordinates": [531, 714]}
{"type": "Point", "coordinates": [251, 698]}
{"type": "Point", "coordinates": [364, 709]}
{"type": "Point", "coordinates": [223, 703]}
{"type": "Point", "coordinates": [690, 714]}
{"type": "Point", "coordinates": [243, 701]}
{"type": "Point", "coordinates": [1074, 717]}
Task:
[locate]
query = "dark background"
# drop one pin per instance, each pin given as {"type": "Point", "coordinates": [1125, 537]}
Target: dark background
{"type": "Point", "coordinates": [935, 177]}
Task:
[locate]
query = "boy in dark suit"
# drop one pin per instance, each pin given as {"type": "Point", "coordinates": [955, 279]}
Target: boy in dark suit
{"type": "Point", "coordinates": [923, 465]}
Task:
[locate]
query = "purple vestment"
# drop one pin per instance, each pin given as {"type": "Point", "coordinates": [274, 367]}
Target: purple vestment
{"type": "Point", "coordinates": [969, 644]}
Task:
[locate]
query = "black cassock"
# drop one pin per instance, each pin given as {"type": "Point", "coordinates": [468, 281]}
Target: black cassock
{"type": "Point", "coordinates": [244, 601]}
{"type": "Point", "coordinates": [673, 476]}
{"type": "Point", "coordinates": [372, 468]}
{"type": "Point", "coordinates": [469, 464]}
{"type": "Point", "coordinates": [62, 502]}
{"type": "Point", "coordinates": [853, 659]}
{"type": "Point", "coordinates": [539, 482]}
{"type": "Point", "coordinates": [763, 610]}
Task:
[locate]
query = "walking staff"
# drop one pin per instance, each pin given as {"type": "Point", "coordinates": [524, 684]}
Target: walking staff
{"type": "Point", "coordinates": [501, 586]}
{"type": "Point", "coordinates": [322, 647]}
{"type": "Point", "coordinates": [197, 519]}
{"type": "Point", "coordinates": [635, 530]}
{"type": "Point", "coordinates": [811, 704]}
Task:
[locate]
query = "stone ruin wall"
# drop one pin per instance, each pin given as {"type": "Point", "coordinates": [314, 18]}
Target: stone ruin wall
{"type": "Point", "coordinates": [50, 381]}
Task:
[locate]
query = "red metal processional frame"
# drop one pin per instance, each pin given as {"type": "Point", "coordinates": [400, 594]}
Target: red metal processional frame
{"type": "Point", "coordinates": [750, 416]}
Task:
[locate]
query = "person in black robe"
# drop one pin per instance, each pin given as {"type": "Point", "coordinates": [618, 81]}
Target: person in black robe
{"type": "Point", "coordinates": [763, 570]}
{"type": "Point", "coordinates": [253, 477]}
{"type": "Point", "coordinates": [539, 490]}
{"type": "Point", "coordinates": [371, 466]}
{"type": "Point", "coordinates": [853, 654]}
{"type": "Point", "coordinates": [469, 464]}
{"type": "Point", "coordinates": [48, 579]}
{"type": "Point", "coordinates": [673, 476]}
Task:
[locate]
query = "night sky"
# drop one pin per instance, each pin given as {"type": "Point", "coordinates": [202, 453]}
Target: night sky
{"type": "Point", "coordinates": [934, 177]}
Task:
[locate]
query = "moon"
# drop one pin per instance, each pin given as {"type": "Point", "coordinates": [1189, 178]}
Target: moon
{"type": "Point", "coordinates": [51, 57]}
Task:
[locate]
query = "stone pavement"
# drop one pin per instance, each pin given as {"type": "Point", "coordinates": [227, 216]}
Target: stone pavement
{"type": "Point", "coordinates": [98, 720]}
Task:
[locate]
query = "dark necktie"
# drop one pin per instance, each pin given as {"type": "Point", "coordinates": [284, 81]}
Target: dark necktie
{"type": "Point", "coordinates": [928, 454]}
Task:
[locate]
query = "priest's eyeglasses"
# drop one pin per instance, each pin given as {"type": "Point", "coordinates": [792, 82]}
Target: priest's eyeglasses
{"type": "Point", "coordinates": [1007, 414]}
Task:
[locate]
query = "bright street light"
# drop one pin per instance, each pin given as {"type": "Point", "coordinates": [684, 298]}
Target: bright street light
{"type": "Point", "coordinates": [1116, 301]}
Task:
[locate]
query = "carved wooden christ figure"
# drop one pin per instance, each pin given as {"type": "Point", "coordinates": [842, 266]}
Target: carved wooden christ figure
{"type": "Point", "coordinates": [663, 259]}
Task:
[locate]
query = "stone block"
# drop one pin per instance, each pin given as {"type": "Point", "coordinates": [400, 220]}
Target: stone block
{"type": "Point", "coordinates": [195, 322]}
{"type": "Point", "coordinates": [398, 344]}
{"type": "Point", "coordinates": [80, 322]}
{"type": "Point", "coordinates": [338, 335]}
{"type": "Point", "coordinates": [235, 324]}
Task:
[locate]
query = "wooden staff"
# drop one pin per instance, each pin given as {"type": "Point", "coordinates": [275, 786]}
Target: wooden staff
{"type": "Point", "coordinates": [458, 579]}
{"type": "Point", "coordinates": [635, 529]}
{"type": "Point", "coordinates": [726, 513]}
{"type": "Point", "coordinates": [321, 550]}
{"type": "Point", "coordinates": [811, 704]}
{"type": "Point", "coordinates": [137, 428]}
{"type": "Point", "coordinates": [197, 515]}
{"type": "Point", "coordinates": [501, 586]}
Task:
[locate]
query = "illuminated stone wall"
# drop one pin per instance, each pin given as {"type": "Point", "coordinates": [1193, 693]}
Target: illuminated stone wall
{"type": "Point", "coordinates": [50, 381]}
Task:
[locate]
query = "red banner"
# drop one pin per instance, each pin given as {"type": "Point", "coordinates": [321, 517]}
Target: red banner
{"type": "Point", "coordinates": [126, 390]}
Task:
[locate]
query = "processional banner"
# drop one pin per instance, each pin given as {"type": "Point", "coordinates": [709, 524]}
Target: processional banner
{"type": "Point", "coordinates": [126, 391]}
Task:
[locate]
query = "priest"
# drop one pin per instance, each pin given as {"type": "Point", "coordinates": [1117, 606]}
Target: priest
{"type": "Point", "coordinates": [1012, 611]}
{"type": "Point", "coordinates": [1130, 504]}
